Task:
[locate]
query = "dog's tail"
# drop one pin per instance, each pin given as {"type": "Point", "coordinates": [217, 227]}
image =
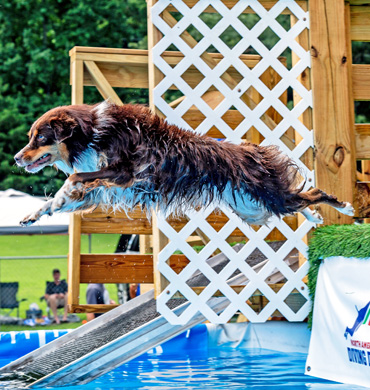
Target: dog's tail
{"type": "Point", "coordinates": [283, 184]}
{"type": "Point", "coordinates": [272, 179]}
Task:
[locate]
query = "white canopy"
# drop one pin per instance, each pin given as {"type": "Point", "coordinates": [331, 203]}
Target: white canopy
{"type": "Point", "coordinates": [15, 205]}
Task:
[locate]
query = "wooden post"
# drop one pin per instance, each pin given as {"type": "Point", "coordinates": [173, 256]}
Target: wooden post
{"type": "Point", "coordinates": [74, 253]}
{"type": "Point", "coordinates": [74, 260]}
{"type": "Point", "coordinates": [77, 69]}
{"type": "Point", "coordinates": [154, 36]}
{"type": "Point", "coordinates": [159, 239]}
{"type": "Point", "coordinates": [305, 118]}
{"type": "Point", "coordinates": [159, 242]}
{"type": "Point", "coordinates": [101, 83]}
{"type": "Point", "coordinates": [333, 105]}
{"type": "Point", "coordinates": [359, 30]}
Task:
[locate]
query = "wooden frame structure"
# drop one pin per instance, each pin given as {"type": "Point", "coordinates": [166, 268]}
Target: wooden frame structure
{"type": "Point", "coordinates": [336, 84]}
{"type": "Point", "coordinates": [125, 68]}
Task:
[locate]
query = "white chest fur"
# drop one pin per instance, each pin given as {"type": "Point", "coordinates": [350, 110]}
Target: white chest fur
{"type": "Point", "coordinates": [88, 161]}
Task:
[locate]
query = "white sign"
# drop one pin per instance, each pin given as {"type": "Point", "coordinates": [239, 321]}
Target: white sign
{"type": "Point", "coordinates": [340, 341]}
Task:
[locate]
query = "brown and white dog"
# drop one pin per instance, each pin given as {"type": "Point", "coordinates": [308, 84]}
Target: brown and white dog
{"type": "Point", "coordinates": [122, 156]}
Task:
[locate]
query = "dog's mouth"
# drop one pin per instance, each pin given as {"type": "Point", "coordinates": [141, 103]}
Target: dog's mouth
{"type": "Point", "coordinates": [38, 163]}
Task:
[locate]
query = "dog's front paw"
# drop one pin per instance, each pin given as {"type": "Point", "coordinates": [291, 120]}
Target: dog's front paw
{"type": "Point", "coordinates": [28, 221]}
{"type": "Point", "coordinates": [34, 217]}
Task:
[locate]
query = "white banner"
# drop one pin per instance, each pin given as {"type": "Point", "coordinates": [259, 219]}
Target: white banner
{"type": "Point", "coordinates": [340, 341]}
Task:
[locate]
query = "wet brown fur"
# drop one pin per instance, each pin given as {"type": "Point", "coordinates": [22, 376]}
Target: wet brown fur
{"type": "Point", "coordinates": [171, 165]}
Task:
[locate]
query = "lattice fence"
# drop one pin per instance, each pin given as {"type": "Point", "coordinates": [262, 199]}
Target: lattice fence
{"type": "Point", "coordinates": [229, 94]}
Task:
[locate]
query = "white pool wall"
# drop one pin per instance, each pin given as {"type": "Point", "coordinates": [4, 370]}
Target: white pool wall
{"type": "Point", "coordinates": [279, 336]}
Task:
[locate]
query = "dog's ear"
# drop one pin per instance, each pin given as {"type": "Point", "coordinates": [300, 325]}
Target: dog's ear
{"type": "Point", "coordinates": [63, 126]}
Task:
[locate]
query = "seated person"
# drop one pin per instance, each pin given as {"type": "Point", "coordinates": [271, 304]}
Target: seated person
{"type": "Point", "coordinates": [56, 296]}
{"type": "Point", "coordinates": [97, 294]}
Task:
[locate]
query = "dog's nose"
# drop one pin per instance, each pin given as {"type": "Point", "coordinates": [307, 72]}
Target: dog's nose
{"type": "Point", "coordinates": [17, 158]}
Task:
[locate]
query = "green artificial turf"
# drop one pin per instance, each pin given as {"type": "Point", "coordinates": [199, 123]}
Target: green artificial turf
{"type": "Point", "coordinates": [335, 240]}
{"type": "Point", "coordinates": [32, 274]}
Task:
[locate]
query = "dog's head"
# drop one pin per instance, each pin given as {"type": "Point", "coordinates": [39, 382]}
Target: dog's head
{"type": "Point", "coordinates": [48, 139]}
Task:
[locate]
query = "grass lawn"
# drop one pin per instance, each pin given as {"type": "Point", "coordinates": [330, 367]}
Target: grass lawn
{"type": "Point", "coordinates": [32, 275]}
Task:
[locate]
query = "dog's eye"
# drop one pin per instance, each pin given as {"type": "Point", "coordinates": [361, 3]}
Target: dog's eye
{"type": "Point", "coordinates": [40, 137]}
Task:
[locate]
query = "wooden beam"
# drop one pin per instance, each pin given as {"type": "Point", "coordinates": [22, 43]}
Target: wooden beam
{"type": "Point", "coordinates": [238, 289]}
{"type": "Point", "coordinates": [362, 131]}
{"type": "Point", "coordinates": [116, 226]}
{"type": "Point", "coordinates": [77, 72]}
{"type": "Point", "coordinates": [217, 294]}
{"type": "Point", "coordinates": [101, 83]}
{"type": "Point", "coordinates": [74, 259]}
{"type": "Point", "coordinates": [106, 50]}
{"type": "Point", "coordinates": [305, 80]}
{"type": "Point", "coordinates": [140, 57]}
{"type": "Point", "coordinates": [361, 85]}
{"type": "Point", "coordinates": [90, 308]}
{"type": "Point", "coordinates": [99, 212]}
{"type": "Point", "coordinates": [359, 2]}
{"type": "Point", "coordinates": [194, 118]}
{"type": "Point", "coordinates": [131, 70]}
{"type": "Point", "coordinates": [333, 105]}
{"type": "Point", "coordinates": [361, 82]}
{"type": "Point", "coordinates": [268, 4]}
{"type": "Point", "coordinates": [360, 26]}
{"type": "Point", "coordinates": [154, 36]}
{"type": "Point", "coordinates": [75, 219]}
{"type": "Point", "coordinates": [351, 107]}
{"type": "Point", "coordinates": [159, 242]}
{"type": "Point", "coordinates": [123, 268]}
{"type": "Point", "coordinates": [121, 75]}
{"type": "Point", "coordinates": [363, 152]}
{"type": "Point", "coordinates": [305, 118]}
{"type": "Point", "coordinates": [117, 222]}
{"type": "Point", "coordinates": [122, 59]}
{"type": "Point", "coordinates": [155, 76]}
{"type": "Point", "coordinates": [145, 245]}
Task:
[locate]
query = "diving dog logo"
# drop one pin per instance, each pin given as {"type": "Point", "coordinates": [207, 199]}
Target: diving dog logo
{"type": "Point", "coordinates": [362, 318]}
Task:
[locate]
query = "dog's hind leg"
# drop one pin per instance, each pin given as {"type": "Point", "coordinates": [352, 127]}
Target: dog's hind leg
{"type": "Point", "coordinates": [316, 196]}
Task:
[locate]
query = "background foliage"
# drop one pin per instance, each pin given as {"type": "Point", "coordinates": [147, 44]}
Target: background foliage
{"type": "Point", "coordinates": [35, 37]}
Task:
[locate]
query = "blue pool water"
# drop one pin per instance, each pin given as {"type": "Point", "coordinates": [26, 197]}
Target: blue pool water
{"type": "Point", "coordinates": [188, 362]}
{"type": "Point", "coordinates": [224, 368]}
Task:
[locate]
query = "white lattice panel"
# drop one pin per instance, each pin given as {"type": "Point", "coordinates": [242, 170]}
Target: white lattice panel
{"type": "Point", "coordinates": [253, 116]}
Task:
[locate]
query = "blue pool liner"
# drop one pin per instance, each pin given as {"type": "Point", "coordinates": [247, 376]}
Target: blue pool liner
{"type": "Point", "coordinates": [16, 344]}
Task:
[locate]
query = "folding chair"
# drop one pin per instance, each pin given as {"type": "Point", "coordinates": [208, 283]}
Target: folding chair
{"type": "Point", "coordinates": [8, 297]}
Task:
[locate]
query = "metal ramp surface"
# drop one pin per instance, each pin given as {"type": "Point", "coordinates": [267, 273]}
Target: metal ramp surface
{"type": "Point", "coordinates": [111, 339]}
